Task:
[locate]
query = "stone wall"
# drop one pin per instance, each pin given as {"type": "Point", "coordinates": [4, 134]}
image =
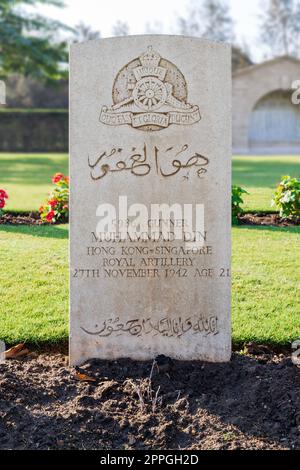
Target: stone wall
{"type": "Point", "coordinates": [249, 87]}
{"type": "Point", "coordinates": [34, 131]}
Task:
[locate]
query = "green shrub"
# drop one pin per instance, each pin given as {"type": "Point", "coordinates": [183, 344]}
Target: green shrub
{"type": "Point", "coordinates": [236, 202]}
{"type": "Point", "coordinates": [287, 198]}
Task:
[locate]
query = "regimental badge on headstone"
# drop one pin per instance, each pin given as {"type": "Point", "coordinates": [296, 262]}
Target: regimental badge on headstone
{"type": "Point", "coordinates": [150, 93]}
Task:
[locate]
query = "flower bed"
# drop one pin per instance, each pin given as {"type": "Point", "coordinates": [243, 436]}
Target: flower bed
{"type": "Point", "coordinates": [56, 208]}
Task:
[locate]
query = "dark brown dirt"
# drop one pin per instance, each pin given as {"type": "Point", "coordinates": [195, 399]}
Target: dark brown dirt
{"type": "Point", "coordinates": [25, 218]}
{"type": "Point", "coordinates": [251, 403]}
{"type": "Point", "coordinates": [266, 219]}
{"type": "Point", "coordinates": [30, 218]}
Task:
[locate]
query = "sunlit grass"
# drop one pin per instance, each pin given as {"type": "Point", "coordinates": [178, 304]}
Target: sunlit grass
{"type": "Point", "coordinates": [27, 177]}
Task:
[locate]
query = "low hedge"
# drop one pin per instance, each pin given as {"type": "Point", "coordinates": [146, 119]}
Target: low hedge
{"type": "Point", "coordinates": [34, 130]}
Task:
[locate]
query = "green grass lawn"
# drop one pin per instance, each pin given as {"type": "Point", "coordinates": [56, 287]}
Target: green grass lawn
{"type": "Point", "coordinates": [266, 284]}
{"type": "Point", "coordinates": [34, 284]}
{"type": "Point", "coordinates": [260, 175]}
{"type": "Point", "coordinates": [27, 177]}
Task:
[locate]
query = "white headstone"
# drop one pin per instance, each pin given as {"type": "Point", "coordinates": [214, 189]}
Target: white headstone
{"type": "Point", "coordinates": [150, 141]}
{"type": "Point", "coordinates": [2, 92]}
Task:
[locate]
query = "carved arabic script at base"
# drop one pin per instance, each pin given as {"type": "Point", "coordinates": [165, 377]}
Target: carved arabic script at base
{"type": "Point", "coordinates": [150, 93]}
{"type": "Point", "coordinates": [167, 327]}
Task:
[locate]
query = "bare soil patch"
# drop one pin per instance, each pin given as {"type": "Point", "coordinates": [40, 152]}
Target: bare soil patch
{"type": "Point", "coordinates": [30, 218]}
{"type": "Point", "coordinates": [266, 220]}
{"type": "Point", "coordinates": [251, 403]}
{"type": "Point", "coordinates": [25, 218]}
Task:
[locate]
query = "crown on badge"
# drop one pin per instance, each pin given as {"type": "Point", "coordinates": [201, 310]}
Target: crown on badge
{"type": "Point", "coordinates": [150, 58]}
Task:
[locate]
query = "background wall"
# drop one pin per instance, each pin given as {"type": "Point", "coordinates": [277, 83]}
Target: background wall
{"type": "Point", "coordinates": [250, 86]}
{"type": "Point", "coordinates": [34, 131]}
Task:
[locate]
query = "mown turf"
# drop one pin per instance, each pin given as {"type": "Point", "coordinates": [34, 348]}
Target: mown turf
{"type": "Point", "coordinates": [260, 176]}
{"type": "Point", "coordinates": [266, 285]}
{"type": "Point", "coordinates": [34, 288]}
{"type": "Point", "coordinates": [34, 284]}
{"type": "Point", "coordinates": [27, 177]}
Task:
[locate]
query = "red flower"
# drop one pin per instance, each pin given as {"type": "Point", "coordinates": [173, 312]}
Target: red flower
{"type": "Point", "coordinates": [50, 216]}
{"type": "Point", "coordinates": [2, 203]}
{"type": "Point", "coordinates": [67, 179]}
{"type": "Point", "coordinates": [3, 194]}
{"type": "Point", "coordinates": [57, 177]}
{"type": "Point", "coordinates": [53, 203]}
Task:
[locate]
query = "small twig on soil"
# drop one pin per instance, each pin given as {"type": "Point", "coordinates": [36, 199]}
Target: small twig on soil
{"type": "Point", "coordinates": [150, 381]}
{"type": "Point", "coordinates": [155, 400]}
{"type": "Point", "coordinates": [145, 393]}
{"type": "Point", "coordinates": [140, 395]}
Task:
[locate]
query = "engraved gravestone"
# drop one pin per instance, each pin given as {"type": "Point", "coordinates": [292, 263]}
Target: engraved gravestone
{"type": "Point", "coordinates": [2, 92]}
{"type": "Point", "coordinates": [150, 199]}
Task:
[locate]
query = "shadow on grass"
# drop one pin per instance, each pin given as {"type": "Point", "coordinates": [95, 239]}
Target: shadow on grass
{"type": "Point", "coordinates": [31, 169]}
{"type": "Point", "coordinates": [269, 228]}
{"type": "Point", "coordinates": [43, 231]}
{"type": "Point", "coordinates": [264, 173]}
{"type": "Point", "coordinates": [62, 231]}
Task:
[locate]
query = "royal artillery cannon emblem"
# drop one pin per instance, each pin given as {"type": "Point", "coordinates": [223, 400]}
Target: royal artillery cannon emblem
{"type": "Point", "coordinates": [150, 93]}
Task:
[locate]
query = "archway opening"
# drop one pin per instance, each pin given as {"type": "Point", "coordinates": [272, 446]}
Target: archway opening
{"type": "Point", "coordinates": [275, 124]}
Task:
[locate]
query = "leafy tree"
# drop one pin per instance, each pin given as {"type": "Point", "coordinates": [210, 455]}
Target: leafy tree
{"type": "Point", "coordinates": [84, 32]}
{"type": "Point", "coordinates": [280, 26]}
{"type": "Point", "coordinates": [210, 19]}
{"type": "Point", "coordinates": [240, 59]}
{"type": "Point", "coordinates": [155, 27]}
{"type": "Point", "coordinates": [121, 28]}
{"type": "Point", "coordinates": [27, 44]}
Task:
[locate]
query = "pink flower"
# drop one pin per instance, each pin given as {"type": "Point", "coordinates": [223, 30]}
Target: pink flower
{"type": "Point", "coordinates": [53, 203]}
{"type": "Point", "coordinates": [57, 177]}
{"type": "Point", "coordinates": [50, 216]}
{"type": "Point", "coordinates": [3, 194]}
{"type": "Point", "coordinates": [2, 203]}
